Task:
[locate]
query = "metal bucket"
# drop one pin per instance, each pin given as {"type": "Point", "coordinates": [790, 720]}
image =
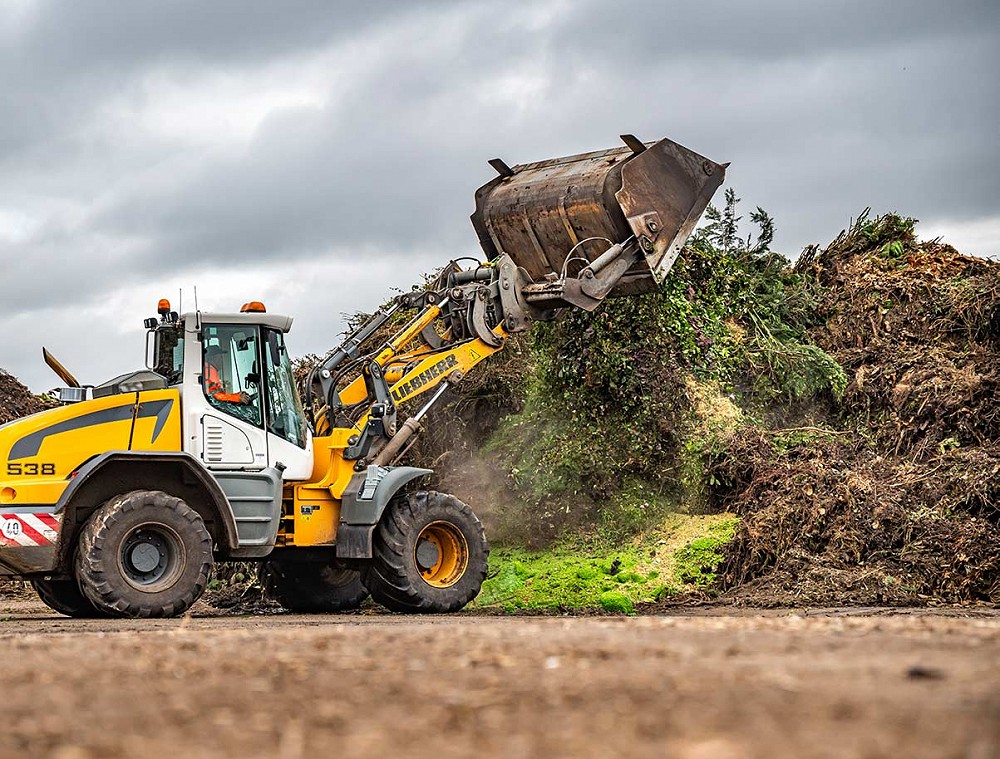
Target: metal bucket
{"type": "Point", "coordinates": [537, 213]}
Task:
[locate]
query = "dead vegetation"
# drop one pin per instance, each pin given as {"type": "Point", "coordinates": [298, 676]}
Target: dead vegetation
{"type": "Point", "coordinates": [16, 400]}
{"type": "Point", "coordinates": [902, 504]}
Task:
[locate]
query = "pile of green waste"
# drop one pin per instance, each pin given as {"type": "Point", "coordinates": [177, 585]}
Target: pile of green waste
{"type": "Point", "coordinates": [837, 416]}
{"type": "Point", "coordinates": [16, 400]}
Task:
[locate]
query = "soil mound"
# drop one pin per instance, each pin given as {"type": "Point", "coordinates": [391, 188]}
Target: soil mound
{"type": "Point", "coordinates": [896, 497]}
{"type": "Point", "coordinates": [16, 400]}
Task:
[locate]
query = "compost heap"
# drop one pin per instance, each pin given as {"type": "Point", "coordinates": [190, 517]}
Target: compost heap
{"type": "Point", "coordinates": [16, 400]}
{"type": "Point", "coordinates": [898, 502]}
{"type": "Point", "coordinates": [844, 407]}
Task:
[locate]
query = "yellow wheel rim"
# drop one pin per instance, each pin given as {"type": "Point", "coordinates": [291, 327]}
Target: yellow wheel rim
{"type": "Point", "coordinates": [441, 554]}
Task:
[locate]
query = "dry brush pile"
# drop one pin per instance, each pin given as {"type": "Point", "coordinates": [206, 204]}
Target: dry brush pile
{"type": "Point", "coordinates": [895, 497]}
{"type": "Point", "coordinates": [844, 407]}
{"type": "Point", "coordinates": [17, 401]}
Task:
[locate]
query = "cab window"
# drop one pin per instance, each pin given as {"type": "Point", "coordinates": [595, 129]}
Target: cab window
{"type": "Point", "coordinates": [231, 374]}
{"type": "Point", "coordinates": [285, 417]}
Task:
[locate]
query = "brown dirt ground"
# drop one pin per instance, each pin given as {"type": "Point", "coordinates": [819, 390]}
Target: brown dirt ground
{"type": "Point", "coordinates": [713, 684]}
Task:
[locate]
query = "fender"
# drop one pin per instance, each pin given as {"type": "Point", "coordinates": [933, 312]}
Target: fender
{"type": "Point", "coordinates": [114, 472]}
{"type": "Point", "coordinates": [363, 502]}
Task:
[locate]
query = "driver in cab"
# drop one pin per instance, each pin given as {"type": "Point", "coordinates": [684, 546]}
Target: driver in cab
{"type": "Point", "coordinates": [213, 379]}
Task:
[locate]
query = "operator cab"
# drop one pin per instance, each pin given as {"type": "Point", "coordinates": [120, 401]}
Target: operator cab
{"type": "Point", "coordinates": [241, 406]}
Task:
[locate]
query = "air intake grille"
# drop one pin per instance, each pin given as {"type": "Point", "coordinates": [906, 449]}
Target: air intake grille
{"type": "Point", "coordinates": [213, 442]}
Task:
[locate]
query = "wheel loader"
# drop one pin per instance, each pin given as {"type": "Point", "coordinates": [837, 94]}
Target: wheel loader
{"type": "Point", "coordinates": [119, 501]}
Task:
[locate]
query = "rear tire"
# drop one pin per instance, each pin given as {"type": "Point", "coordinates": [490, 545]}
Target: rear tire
{"type": "Point", "coordinates": [64, 596]}
{"type": "Point", "coordinates": [312, 588]}
{"type": "Point", "coordinates": [429, 555]}
{"type": "Point", "coordinates": [144, 554]}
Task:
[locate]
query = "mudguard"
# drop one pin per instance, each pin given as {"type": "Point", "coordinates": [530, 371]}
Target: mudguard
{"type": "Point", "coordinates": [363, 503]}
{"type": "Point", "coordinates": [99, 479]}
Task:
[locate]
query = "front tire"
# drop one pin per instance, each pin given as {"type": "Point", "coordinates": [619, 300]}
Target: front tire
{"type": "Point", "coordinates": [144, 554]}
{"type": "Point", "coordinates": [429, 555]}
{"type": "Point", "coordinates": [312, 588]}
{"type": "Point", "coordinates": [64, 596]}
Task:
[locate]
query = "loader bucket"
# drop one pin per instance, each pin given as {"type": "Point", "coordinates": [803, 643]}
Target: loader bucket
{"type": "Point", "coordinates": [537, 212]}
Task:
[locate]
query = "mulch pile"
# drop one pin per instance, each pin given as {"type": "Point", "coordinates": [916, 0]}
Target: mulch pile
{"type": "Point", "coordinates": [900, 502]}
{"type": "Point", "coordinates": [17, 401]}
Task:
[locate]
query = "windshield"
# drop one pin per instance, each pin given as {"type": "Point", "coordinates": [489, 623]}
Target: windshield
{"type": "Point", "coordinates": [230, 375]}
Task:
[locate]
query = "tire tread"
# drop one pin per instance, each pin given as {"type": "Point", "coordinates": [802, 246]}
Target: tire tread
{"type": "Point", "coordinates": [92, 556]}
{"type": "Point", "coordinates": [387, 577]}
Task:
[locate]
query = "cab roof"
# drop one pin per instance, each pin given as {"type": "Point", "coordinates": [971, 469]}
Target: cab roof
{"type": "Point", "coordinates": [274, 321]}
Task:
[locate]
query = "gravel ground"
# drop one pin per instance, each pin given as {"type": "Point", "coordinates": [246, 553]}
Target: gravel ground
{"type": "Point", "coordinates": [719, 684]}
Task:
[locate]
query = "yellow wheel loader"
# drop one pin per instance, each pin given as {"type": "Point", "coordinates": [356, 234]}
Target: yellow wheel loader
{"type": "Point", "coordinates": [119, 501]}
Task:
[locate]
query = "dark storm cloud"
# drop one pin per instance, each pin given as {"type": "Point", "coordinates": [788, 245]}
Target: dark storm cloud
{"type": "Point", "coordinates": [824, 108]}
{"type": "Point", "coordinates": [61, 39]}
{"type": "Point", "coordinates": [809, 103]}
{"type": "Point", "coordinates": [765, 31]}
{"type": "Point", "coordinates": [147, 142]}
{"type": "Point", "coordinates": [392, 162]}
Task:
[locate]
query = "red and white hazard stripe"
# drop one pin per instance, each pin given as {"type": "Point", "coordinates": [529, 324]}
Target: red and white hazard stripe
{"type": "Point", "coordinates": [39, 529]}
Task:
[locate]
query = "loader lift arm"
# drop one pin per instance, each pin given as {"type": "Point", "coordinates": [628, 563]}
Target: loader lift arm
{"type": "Point", "coordinates": [566, 233]}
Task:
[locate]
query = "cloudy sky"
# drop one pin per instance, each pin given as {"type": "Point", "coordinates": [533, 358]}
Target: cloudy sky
{"type": "Point", "coordinates": [316, 154]}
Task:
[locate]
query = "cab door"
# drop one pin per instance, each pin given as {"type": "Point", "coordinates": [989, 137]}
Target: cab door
{"type": "Point", "coordinates": [231, 407]}
{"type": "Point", "coordinates": [289, 443]}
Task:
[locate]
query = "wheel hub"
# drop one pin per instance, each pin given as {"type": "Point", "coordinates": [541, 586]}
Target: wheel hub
{"type": "Point", "coordinates": [151, 557]}
{"type": "Point", "coordinates": [144, 557]}
{"type": "Point", "coordinates": [427, 554]}
{"type": "Point", "coordinates": [441, 554]}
